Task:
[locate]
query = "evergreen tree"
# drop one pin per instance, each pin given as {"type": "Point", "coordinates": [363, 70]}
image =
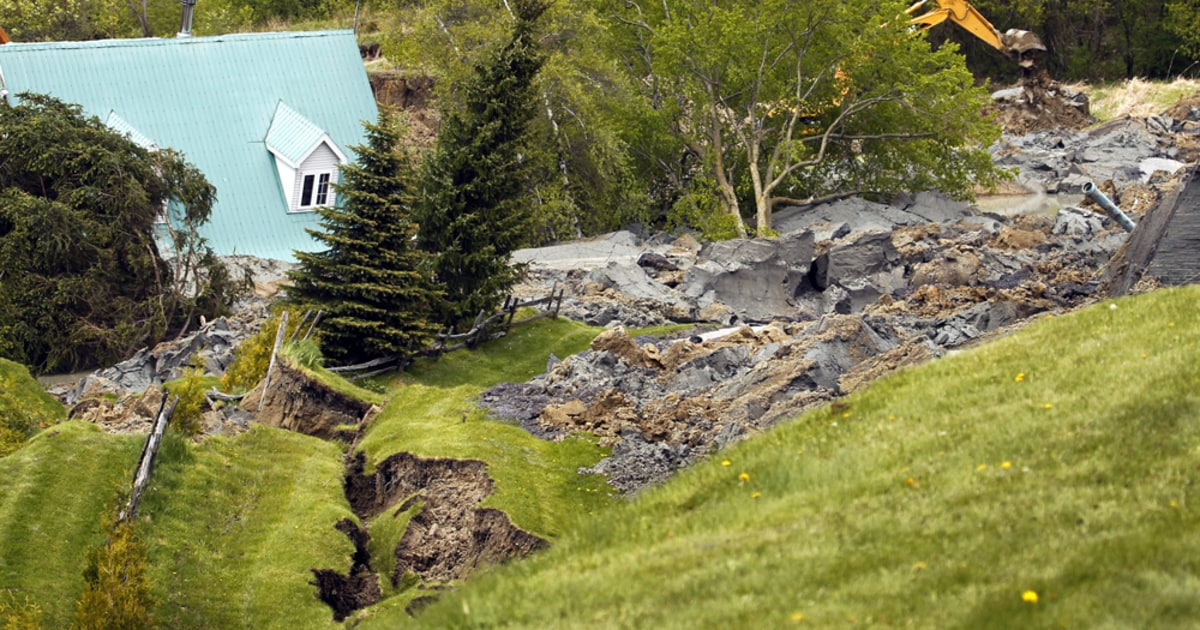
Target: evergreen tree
{"type": "Point", "coordinates": [82, 281]}
{"type": "Point", "coordinates": [472, 213]}
{"type": "Point", "coordinates": [372, 283]}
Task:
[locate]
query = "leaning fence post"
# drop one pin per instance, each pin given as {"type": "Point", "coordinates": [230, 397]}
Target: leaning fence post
{"type": "Point", "coordinates": [145, 468]}
{"type": "Point", "coordinates": [262, 398]}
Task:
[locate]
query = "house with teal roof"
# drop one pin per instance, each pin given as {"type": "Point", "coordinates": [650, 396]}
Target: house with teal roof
{"type": "Point", "coordinates": [268, 117]}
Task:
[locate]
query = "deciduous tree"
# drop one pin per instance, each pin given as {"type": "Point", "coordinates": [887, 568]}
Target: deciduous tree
{"type": "Point", "coordinates": [785, 101]}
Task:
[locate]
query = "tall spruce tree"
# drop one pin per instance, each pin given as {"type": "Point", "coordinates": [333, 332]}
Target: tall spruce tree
{"type": "Point", "coordinates": [372, 282]}
{"type": "Point", "coordinates": [471, 211]}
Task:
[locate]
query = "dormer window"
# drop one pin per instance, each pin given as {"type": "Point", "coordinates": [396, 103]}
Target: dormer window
{"type": "Point", "coordinates": [306, 158]}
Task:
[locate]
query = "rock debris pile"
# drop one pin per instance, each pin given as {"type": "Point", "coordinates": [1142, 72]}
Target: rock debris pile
{"type": "Point", "coordinates": [850, 290]}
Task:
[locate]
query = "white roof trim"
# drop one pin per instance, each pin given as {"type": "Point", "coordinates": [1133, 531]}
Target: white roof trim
{"type": "Point", "coordinates": [325, 139]}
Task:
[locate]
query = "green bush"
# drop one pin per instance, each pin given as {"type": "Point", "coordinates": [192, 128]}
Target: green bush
{"type": "Point", "coordinates": [253, 356]}
{"type": "Point", "coordinates": [117, 591]}
{"type": "Point", "coordinates": [19, 615]}
{"type": "Point", "coordinates": [190, 389]}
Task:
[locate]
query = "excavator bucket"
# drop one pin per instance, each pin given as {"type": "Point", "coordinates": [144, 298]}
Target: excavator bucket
{"type": "Point", "coordinates": [1022, 42]}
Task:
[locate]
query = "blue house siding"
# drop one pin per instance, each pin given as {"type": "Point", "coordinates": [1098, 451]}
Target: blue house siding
{"type": "Point", "coordinates": [213, 99]}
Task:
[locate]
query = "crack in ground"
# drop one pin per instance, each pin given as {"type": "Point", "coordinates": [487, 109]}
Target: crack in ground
{"type": "Point", "coordinates": [446, 540]}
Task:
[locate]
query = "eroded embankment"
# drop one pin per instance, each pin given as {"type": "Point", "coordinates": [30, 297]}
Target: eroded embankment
{"type": "Point", "coordinates": [445, 540]}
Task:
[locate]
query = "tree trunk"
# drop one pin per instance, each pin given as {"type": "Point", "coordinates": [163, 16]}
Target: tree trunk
{"type": "Point", "coordinates": [728, 194]}
{"type": "Point", "coordinates": [762, 206]}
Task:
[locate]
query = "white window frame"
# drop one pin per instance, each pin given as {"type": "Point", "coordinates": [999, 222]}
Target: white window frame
{"type": "Point", "coordinates": [322, 186]}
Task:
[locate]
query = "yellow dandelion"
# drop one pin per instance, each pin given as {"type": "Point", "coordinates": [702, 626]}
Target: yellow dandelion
{"type": "Point", "coordinates": [797, 616]}
{"type": "Point", "coordinates": [756, 495]}
{"type": "Point", "coordinates": [919, 566]}
{"type": "Point", "coordinates": [727, 463]}
{"type": "Point", "coordinates": [744, 477]}
{"type": "Point", "coordinates": [910, 481]}
{"type": "Point", "coordinates": [1048, 406]}
{"type": "Point", "coordinates": [1029, 596]}
{"type": "Point", "coordinates": [1006, 465]}
{"type": "Point", "coordinates": [847, 414]}
{"type": "Point", "coordinates": [1020, 377]}
{"type": "Point", "coordinates": [891, 418]}
{"type": "Point", "coordinates": [981, 468]}
{"type": "Point", "coordinates": [1174, 504]}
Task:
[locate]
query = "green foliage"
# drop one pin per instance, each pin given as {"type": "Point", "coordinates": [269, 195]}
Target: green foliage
{"type": "Point", "coordinates": [117, 591]}
{"type": "Point", "coordinates": [472, 209]}
{"type": "Point", "coordinates": [55, 493]}
{"type": "Point", "coordinates": [253, 356]}
{"type": "Point", "coordinates": [25, 407]}
{"type": "Point", "coordinates": [783, 100]}
{"type": "Point", "coordinates": [583, 178]}
{"type": "Point", "coordinates": [81, 280]}
{"type": "Point", "coordinates": [699, 207]}
{"type": "Point", "coordinates": [372, 283]}
{"type": "Point", "coordinates": [192, 403]}
{"type": "Point", "coordinates": [935, 500]}
{"type": "Point", "coordinates": [19, 615]}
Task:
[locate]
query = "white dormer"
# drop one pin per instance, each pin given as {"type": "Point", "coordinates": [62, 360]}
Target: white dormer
{"type": "Point", "coordinates": [306, 157]}
{"type": "Point", "coordinates": [119, 125]}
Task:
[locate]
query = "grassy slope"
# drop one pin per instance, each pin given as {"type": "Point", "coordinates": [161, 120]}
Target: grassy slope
{"type": "Point", "coordinates": [432, 413]}
{"type": "Point", "coordinates": [938, 499]}
{"type": "Point", "coordinates": [25, 408]}
{"type": "Point", "coordinates": [47, 524]}
{"type": "Point", "coordinates": [234, 525]}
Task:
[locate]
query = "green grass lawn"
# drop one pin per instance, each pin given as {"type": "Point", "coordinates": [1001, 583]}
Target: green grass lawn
{"type": "Point", "coordinates": [233, 526]}
{"type": "Point", "coordinates": [53, 495]}
{"type": "Point", "coordinates": [432, 413]}
{"type": "Point", "coordinates": [1058, 462]}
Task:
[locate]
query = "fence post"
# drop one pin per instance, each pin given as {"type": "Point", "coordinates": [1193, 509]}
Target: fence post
{"type": "Point", "coordinates": [145, 468]}
{"type": "Point", "coordinates": [558, 302]}
{"type": "Point", "coordinates": [262, 399]}
{"type": "Point", "coordinates": [476, 332]}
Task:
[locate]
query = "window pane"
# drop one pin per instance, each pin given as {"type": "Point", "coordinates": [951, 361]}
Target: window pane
{"type": "Point", "coordinates": [306, 192]}
{"type": "Point", "coordinates": [323, 189]}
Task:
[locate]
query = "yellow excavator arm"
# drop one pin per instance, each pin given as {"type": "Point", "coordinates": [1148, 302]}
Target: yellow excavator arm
{"type": "Point", "coordinates": [1012, 42]}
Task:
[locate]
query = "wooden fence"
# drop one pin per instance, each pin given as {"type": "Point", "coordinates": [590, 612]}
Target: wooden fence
{"type": "Point", "coordinates": [486, 327]}
{"type": "Point", "coordinates": [145, 467]}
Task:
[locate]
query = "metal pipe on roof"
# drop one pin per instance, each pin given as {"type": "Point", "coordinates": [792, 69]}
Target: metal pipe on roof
{"type": "Point", "coordinates": [185, 26]}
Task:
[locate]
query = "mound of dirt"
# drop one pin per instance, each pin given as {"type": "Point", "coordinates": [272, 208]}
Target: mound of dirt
{"type": "Point", "coordinates": [299, 403]}
{"type": "Point", "coordinates": [1039, 104]}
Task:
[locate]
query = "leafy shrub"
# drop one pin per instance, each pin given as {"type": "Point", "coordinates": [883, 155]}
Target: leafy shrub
{"type": "Point", "coordinates": [700, 209]}
{"type": "Point", "coordinates": [190, 389]}
{"type": "Point", "coordinates": [253, 356]}
{"type": "Point", "coordinates": [25, 408]}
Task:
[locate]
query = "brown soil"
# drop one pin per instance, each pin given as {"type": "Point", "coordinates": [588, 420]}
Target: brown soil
{"type": "Point", "coordinates": [1043, 105]}
{"type": "Point", "coordinates": [298, 403]}
{"type": "Point", "coordinates": [451, 535]}
{"type": "Point", "coordinates": [412, 95]}
{"type": "Point", "coordinates": [132, 414]}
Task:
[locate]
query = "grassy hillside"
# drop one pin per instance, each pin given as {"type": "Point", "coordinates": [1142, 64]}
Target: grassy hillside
{"type": "Point", "coordinates": [432, 413]}
{"type": "Point", "coordinates": [53, 494]}
{"type": "Point", "coordinates": [1055, 465]}
{"type": "Point", "coordinates": [25, 408]}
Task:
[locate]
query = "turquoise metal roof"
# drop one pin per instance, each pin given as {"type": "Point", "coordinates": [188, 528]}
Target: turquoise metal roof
{"type": "Point", "coordinates": [118, 124]}
{"type": "Point", "coordinates": [292, 136]}
{"type": "Point", "coordinates": [214, 99]}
